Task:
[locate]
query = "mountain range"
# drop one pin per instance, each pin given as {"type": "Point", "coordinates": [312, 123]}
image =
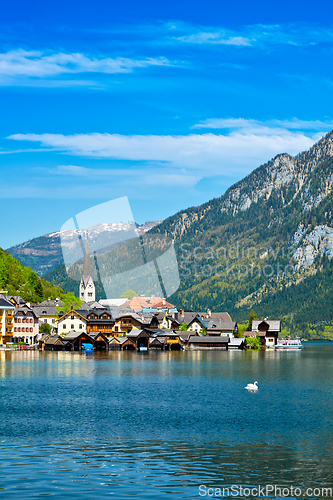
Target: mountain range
{"type": "Point", "coordinates": [266, 244]}
{"type": "Point", "coordinates": [45, 252]}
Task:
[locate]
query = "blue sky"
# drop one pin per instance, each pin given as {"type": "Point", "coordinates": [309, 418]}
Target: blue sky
{"type": "Point", "coordinates": [168, 104]}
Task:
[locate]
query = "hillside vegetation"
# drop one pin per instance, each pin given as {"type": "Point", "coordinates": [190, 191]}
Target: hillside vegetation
{"type": "Point", "coordinates": [20, 280]}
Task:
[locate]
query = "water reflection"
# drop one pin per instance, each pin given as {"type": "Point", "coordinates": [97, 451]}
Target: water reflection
{"type": "Point", "coordinates": [136, 424]}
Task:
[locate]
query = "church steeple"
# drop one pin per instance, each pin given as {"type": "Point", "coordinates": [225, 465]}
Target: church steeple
{"type": "Point", "coordinates": [87, 287]}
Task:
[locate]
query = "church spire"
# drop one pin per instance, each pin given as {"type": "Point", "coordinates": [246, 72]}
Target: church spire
{"type": "Point", "coordinates": [87, 264]}
{"type": "Point", "coordinates": [87, 287]}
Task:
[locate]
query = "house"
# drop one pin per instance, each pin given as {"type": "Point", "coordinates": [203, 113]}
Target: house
{"type": "Point", "coordinates": [72, 320]}
{"type": "Point", "coordinates": [114, 343]}
{"type": "Point", "coordinates": [126, 322]}
{"type": "Point", "coordinates": [25, 325]}
{"type": "Point", "coordinates": [53, 343]}
{"type": "Point", "coordinates": [100, 321]}
{"type": "Point", "coordinates": [6, 320]}
{"type": "Point", "coordinates": [78, 340]}
{"type": "Point", "coordinates": [208, 342]}
{"type": "Point", "coordinates": [48, 312]}
{"type": "Point", "coordinates": [268, 331]}
{"type": "Point", "coordinates": [101, 341]}
{"type": "Point", "coordinates": [197, 324]}
{"type": "Point", "coordinates": [219, 327]}
{"type": "Point", "coordinates": [156, 343]}
{"type": "Point", "coordinates": [141, 339]}
{"type": "Point", "coordinates": [127, 344]}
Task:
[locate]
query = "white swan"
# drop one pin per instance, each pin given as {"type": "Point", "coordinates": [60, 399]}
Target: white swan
{"type": "Point", "coordinates": [252, 387]}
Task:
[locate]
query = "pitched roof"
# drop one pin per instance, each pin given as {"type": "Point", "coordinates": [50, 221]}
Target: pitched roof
{"type": "Point", "coordinates": [122, 340]}
{"type": "Point", "coordinates": [218, 324]}
{"type": "Point", "coordinates": [72, 335]}
{"type": "Point", "coordinates": [53, 340]}
{"type": "Point", "coordinates": [223, 315]}
{"type": "Point", "coordinates": [5, 304]}
{"type": "Point", "coordinates": [207, 339]}
{"type": "Point", "coordinates": [197, 318]}
{"type": "Point", "coordinates": [164, 304]}
{"type": "Point", "coordinates": [187, 317]}
{"type": "Point", "coordinates": [274, 325]}
{"type": "Point", "coordinates": [72, 312]}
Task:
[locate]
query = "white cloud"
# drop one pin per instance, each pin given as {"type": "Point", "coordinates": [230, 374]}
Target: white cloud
{"type": "Point", "coordinates": [269, 126]}
{"type": "Point", "coordinates": [214, 38]}
{"type": "Point", "coordinates": [234, 153]}
{"type": "Point", "coordinates": [258, 35]}
{"type": "Point", "coordinates": [35, 64]}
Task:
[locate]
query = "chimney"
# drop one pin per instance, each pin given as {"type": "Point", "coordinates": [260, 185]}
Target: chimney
{"type": "Point", "coordinates": [163, 302]}
{"type": "Point", "coordinates": [209, 312]}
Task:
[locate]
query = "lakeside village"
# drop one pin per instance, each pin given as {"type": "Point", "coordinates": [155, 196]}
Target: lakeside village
{"type": "Point", "coordinates": [140, 323]}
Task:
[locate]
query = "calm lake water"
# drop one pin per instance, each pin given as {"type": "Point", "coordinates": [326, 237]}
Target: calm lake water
{"type": "Point", "coordinates": [124, 424]}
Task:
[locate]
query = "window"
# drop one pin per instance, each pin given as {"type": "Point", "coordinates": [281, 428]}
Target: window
{"type": "Point", "coordinates": [53, 320]}
{"type": "Point", "coordinates": [31, 329]}
{"type": "Point", "coordinates": [89, 294]}
{"type": "Point", "coordinates": [45, 320]}
{"type": "Point", "coordinates": [72, 317]}
{"type": "Point", "coordinates": [32, 321]}
{"type": "Point", "coordinates": [72, 327]}
{"type": "Point", "coordinates": [82, 294]}
{"type": "Point", "coordinates": [80, 325]}
{"type": "Point", "coordinates": [115, 328]}
{"type": "Point", "coordinates": [63, 326]}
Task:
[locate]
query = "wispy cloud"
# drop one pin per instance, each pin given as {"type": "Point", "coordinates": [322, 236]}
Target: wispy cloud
{"type": "Point", "coordinates": [248, 144]}
{"type": "Point", "coordinates": [258, 35]}
{"type": "Point", "coordinates": [36, 65]}
{"type": "Point", "coordinates": [268, 126]}
{"type": "Point", "coordinates": [219, 38]}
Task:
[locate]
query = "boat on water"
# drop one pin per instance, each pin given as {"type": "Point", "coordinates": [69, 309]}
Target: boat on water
{"type": "Point", "coordinates": [288, 344]}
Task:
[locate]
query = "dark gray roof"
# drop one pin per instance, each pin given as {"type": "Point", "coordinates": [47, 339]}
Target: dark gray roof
{"type": "Point", "coordinates": [53, 340]}
{"type": "Point", "coordinates": [224, 316]}
{"type": "Point", "coordinates": [217, 324]}
{"type": "Point", "coordinates": [207, 339]}
{"type": "Point", "coordinates": [46, 310]}
{"type": "Point", "coordinates": [123, 339]}
{"type": "Point", "coordinates": [72, 335]}
{"type": "Point", "coordinates": [187, 317]}
{"type": "Point", "coordinates": [159, 340]}
{"type": "Point", "coordinates": [5, 304]}
{"type": "Point", "coordinates": [274, 325]}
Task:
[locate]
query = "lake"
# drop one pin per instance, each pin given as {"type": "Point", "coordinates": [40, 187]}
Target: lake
{"type": "Point", "coordinates": [163, 424]}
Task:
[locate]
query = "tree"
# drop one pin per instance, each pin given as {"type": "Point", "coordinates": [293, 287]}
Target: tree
{"type": "Point", "coordinates": [183, 327]}
{"type": "Point", "coordinates": [253, 316]}
{"type": "Point", "coordinates": [128, 294]}
{"type": "Point", "coordinates": [45, 328]}
{"type": "Point", "coordinates": [253, 343]}
{"type": "Point", "coordinates": [69, 301]}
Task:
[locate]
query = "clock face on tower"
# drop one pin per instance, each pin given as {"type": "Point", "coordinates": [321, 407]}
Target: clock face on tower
{"type": "Point", "coordinates": [90, 285]}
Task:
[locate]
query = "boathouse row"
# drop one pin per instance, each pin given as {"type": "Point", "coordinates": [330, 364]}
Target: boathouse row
{"type": "Point", "coordinates": [138, 340]}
